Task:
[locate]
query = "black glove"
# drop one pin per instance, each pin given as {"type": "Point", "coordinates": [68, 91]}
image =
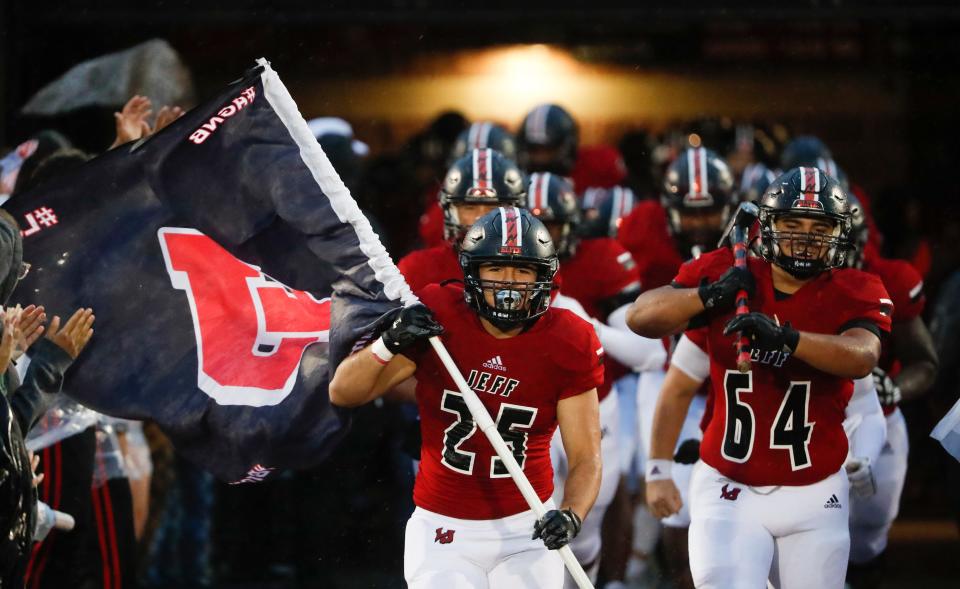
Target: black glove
{"type": "Point", "coordinates": [764, 333]}
{"type": "Point", "coordinates": [688, 452]}
{"type": "Point", "coordinates": [887, 389]}
{"type": "Point", "coordinates": [557, 528]}
{"type": "Point", "coordinates": [407, 326]}
{"type": "Point", "coordinates": [721, 295]}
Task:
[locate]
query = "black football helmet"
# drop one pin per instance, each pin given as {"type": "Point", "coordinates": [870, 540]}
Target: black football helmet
{"type": "Point", "coordinates": [603, 209]}
{"type": "Point", "coordinates": [755, 181]}
{"type": "Point", "coordinates": [482, 135]}
{"type": "Point", "coordinates": [482, 176]}
{"type": "Point", "coordinates": [859, 232]}
{"type": "Point", "coordinates": [552, 200]}
{"type": "Point", "coordinates": [805, 192]}
{"type": "Point", "coordinates": [804, 150]}
{"type": "Point", "coordinates": [697, 181]}
{"type": "Point", "coordinates": [512, 236]}
{"type": "Point", "coordinates": [548, 126]}
{"type": "Point", "coordinates": [810, 152]}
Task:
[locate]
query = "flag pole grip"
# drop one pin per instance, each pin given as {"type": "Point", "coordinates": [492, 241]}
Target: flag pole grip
{"type": "Point", "coordinates": [486, 424]}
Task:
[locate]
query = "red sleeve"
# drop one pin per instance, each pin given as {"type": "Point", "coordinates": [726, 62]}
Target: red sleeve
{"type": "Point", "coordinates": [905, 286]}
{"type": "Point", "coordinates": [585, 370]}
{"type": "Point", "coordinates": [710, 266]}
{"type": "Point", "coordinates": [698, 337]}
{"type": "Point", "coordinates": [869, 302]}
{"type": "Point", "coordinates": [411, 266]}
{"type": "Point", "coordinates": [615, 269]}
{"type": "Point", "coordinates": [431, 225]}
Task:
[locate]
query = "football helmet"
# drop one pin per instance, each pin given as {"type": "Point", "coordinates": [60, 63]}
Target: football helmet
{"type": "Point", "coordinates": [603, 209]}
{"type": "Point", "coordinates": [859, 232]}
{"type": "Point", "coordinates": [755, 181]}
{"type": "Point", "coordinates": [548, 127]}
{"type": "Point", "coordinates": [552, 200]}
{"type": "Point", "coordinates": [483, 176]}
{"type": "Point", "coordinates": [810, 152]}
{"type": "Point", "coordinates": [511, 236]}
{"type": "Point", "coordinates": [805, 192]}
{"type": "Point", "coordinates": [481, 135]}
{"type": "Point", "coordinates": [697, 181]}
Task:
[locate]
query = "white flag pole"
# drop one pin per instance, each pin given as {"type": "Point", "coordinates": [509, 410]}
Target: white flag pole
{"type": "Point", "coordinates": [394, 285]}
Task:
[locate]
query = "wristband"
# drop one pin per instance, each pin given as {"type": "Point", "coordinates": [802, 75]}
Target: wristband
{"type": "Point", "coordinates": [380, 352]}
{"type": "Point", "coordinates": [658, 470]}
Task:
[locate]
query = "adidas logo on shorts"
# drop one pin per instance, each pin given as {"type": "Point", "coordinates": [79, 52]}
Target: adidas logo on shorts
{"type": "Point", "coordinates": [495, 363]}
{"type": "Point", "coordinates": [832, 503]}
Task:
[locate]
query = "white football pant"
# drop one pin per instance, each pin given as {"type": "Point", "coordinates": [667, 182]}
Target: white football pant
{"type": "Point", "coordinates": [450, 553]}
{"type": "Point", "coordinates": [740, 536]}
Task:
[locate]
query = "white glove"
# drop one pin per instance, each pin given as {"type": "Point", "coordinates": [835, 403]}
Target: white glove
{"type": "Point", "coordinates": [49, 518]}
{"type": "Point", "coordinates": [860, 474]}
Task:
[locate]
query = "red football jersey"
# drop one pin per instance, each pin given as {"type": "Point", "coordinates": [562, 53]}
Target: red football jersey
{"type": "Point", "coordinates": [781, 423]}
{"type": "Point", "coordinates": [599, 270]}
{"type": "Point", "coordinates": [644, 233]}
{"type": "Point", "coordinates": [520, 381]}
{"type": "Point", "coordinates": [430, 266]}
{"type": "Point", "coordinates": [431, 225]}
{"type": "Point", "coordinates": [905, 286]}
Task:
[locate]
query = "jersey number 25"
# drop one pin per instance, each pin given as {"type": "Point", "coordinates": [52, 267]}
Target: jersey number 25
{"type": "Point", "coordinates": [511, 421]}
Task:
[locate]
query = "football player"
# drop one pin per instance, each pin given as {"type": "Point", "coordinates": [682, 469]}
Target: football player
{"type": "Point", "coordinates": [696, 201]}
{"type": "Point", "coordinates": [476, 184]}
{"type": "Point", "coordinates": [769, 497]}
{"type": "Point", "coordinates": [907, 368]}
{"type": "Point", "coordinates": [596, 275]}
{"type": "Point", "coordinates": [547, 140]}
{"type": "Point", "coordinates": [603, 209]}
{"type": "Point", "coordinates": [471, 527]}
{"type": "Point", "coordinates": [480, 135]}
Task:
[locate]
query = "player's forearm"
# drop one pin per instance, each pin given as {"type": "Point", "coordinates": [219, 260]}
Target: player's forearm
{"type": "Point", "coordinates": [663, 311]}
{"type": "Point", "coordinates": [582, 485]}
{"type": "Point", "coordinates": [668, 418]}
{"type": "Point", "coordinates": [839, 355]}
{"type": "Point", "coordinates": [355, 380]}
{"type": "Point", "coordinates": [913, 346]}
{"type": "Point", "coordinates": [630, 349]}
{"type": "Point", "coordinates": [915, 379]}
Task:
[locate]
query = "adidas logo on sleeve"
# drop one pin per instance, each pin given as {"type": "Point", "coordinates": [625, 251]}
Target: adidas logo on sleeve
{"type": "Point", "coordinates": [832, 503]}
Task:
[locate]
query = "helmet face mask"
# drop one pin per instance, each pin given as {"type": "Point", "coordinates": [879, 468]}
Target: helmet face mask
{"type": "Point", "coordinates": [798, 248]}
{"type": "Point", "coordinates": [508, 237]}
{"type": "Point", "coordinates": [484, 177]}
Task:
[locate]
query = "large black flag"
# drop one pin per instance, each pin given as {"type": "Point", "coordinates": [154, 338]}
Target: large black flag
{"type": "Point", "coordinates": [207, 253]}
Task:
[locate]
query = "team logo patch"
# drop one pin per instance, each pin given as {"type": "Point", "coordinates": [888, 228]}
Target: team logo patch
{"type": "Point", "coordinates": [729, 494]}
{"type": "Point", "coordinates": [832, 503]}
{"type": "Point", "coordinates": [444, 537]}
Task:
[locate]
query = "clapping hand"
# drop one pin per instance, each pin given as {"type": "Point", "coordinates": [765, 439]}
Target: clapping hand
{"type": "Point", "coordinates": [75, 334]}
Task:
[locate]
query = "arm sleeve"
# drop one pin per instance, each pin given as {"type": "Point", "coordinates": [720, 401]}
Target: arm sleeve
{"type": "Point", "coordinates": [710, 266]}
{"type": "Point", "coordinates": [44, 377]}
{"type": "Point", "coordinates": [586, 370]}
{"type": "Point", "coordinates": [870, 303]}
{"type": "Point", "coordinates": [870, 436]}
{"type": "Point", "coordinates": [638, 352]}
{"type": "Point", "coordinates": [691, 360]}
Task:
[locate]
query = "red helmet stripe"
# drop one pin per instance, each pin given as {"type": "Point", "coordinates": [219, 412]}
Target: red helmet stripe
{"type": "Point", "coordinates": [810, 183]}
{"type": "Point", "coordinates": [693, 174]}
{"type": "Point", "coordinates": [482, 176]}
{"type": "Point", "coordinates": [511, 229]}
